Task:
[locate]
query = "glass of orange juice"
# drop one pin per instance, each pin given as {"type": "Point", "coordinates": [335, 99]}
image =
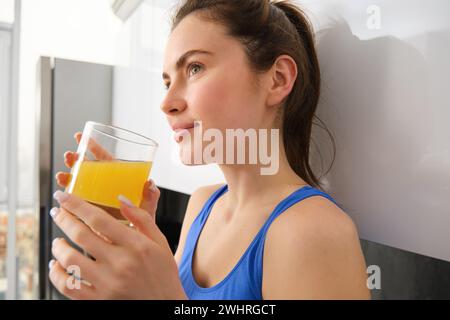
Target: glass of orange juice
{"type": "Point", "coordinates": [111, 161]}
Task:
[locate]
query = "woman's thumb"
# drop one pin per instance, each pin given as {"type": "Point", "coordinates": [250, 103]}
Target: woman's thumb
{"type": "Point", "coordinates": [142, 220]}
{"type": "Point", "coordinates": [150, 197]}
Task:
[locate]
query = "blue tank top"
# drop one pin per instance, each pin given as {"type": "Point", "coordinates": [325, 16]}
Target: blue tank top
{"type": "Point", "coordinates": [244, 282]}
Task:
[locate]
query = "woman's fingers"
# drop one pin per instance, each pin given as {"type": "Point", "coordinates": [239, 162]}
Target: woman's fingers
{"type": "Point", "coordinates": [96, 149]}
{"type": "Point", "coordinates": [77, 137]}
{"type": "Point", "coordinates": [93, 217]}
{"type": "Point", "coordinates": [143, 220]}
{"type": "Point", "coordinates": [80, 234]}
{"type": "Point", "coordinates": [150, 197]}
{"type": "Point", "coordinates": [63, 179]}
{"type": "Point", "coordinates": [70, 158]}
{"type": "Point", "coordinates": [70, 285]}
{"type": "Point", "coordinates": [70, 258]}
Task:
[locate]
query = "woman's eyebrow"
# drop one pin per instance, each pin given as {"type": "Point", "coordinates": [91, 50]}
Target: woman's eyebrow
{"type": "Point", "coordinates": [182, 60]}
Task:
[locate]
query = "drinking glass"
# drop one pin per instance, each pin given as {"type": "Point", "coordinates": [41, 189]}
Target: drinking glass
{"type": "Point", "coordinates": [111, 161]}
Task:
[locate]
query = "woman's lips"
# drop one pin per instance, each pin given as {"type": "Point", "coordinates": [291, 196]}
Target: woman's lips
{"type": "Point", "coordinates": [180, 132]}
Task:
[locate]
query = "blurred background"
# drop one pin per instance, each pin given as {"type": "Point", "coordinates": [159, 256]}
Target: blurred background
{"type": "Point", "coordinates": [385, 99]}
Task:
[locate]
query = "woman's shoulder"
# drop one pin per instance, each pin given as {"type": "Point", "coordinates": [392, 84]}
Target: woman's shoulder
{"type": "Point", "coordinates": [210, 188]}
{"type": "Point", "coordinates": [316, 215]}
{"type": "Point", "coordinates": [199, 197]}
{"type": "Point", "coordinates": [203, 193]}
{"type": "Point", "coordinates": [317, 245]}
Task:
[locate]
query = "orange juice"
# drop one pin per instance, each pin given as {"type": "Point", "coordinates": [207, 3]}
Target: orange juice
{"type": "Point", "coordinates": [101, 182]}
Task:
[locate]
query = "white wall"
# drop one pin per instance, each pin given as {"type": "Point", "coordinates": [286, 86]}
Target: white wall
{"type": "Point", "coordinates": [385, 97]}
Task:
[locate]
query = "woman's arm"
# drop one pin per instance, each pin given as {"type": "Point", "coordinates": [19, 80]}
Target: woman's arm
{"type": "Point", "coordinates": [312, 251]}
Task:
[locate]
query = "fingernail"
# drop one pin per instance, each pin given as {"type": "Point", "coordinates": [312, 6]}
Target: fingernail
{"type": "Point", "coordinates": [54, 241]}
{"type": "Point", "coordinates": [51, 263]}
{"type": "Point", "coordinates": [60, 196]}
{"type": "Point", "coordinates": [126, 201]}
{"type": "Point", "coordinates": [54, 212]}
{"type": "Point", "coordinates": [152, 185]}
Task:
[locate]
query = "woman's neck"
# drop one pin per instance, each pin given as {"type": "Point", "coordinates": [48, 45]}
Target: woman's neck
{"type": "Point", "coordinates": [248, 188]}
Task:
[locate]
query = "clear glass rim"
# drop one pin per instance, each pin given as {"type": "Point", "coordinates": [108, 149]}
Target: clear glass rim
{"type": "Point", "coordinates": [94, 125]}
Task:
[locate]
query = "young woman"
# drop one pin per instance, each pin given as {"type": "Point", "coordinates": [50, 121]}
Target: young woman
{"type": "Point", "coordinates": [230, 64]}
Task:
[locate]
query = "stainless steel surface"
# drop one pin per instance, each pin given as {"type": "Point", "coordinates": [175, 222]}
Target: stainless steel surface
{"type": "Point", "coordinates": [44, 109]}
{"type": "Point", "coordinates": [69, 94]}
{"type": "Point", "coordinates": [82, 92]}
{"type": "Point", "coordinates": [44, 156]}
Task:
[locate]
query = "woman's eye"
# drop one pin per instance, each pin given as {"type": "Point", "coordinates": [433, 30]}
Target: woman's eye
{"type": "Point", "coordinates": [194, 68]}
{"type": "Point", "coordinates": [166, 86]}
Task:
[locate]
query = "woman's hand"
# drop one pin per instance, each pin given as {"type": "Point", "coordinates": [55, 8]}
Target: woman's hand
{"type": "Point", "coordinates": [70, 157]}
{"type": "Point", "coordinates": [129, 263]}
{"type": "Point", "coordinates": [63, 178]}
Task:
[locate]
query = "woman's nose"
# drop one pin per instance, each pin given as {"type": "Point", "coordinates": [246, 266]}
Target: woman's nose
{"type": "Point", "coordinates": [173, 104]}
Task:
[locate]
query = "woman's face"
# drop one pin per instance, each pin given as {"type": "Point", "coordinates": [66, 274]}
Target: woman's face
{"type": "Point", "coordinates": [213, 84]}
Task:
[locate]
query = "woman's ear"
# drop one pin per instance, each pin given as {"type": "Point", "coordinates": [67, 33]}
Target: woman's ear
{"type": "Point", "coordinates": [282, 78]}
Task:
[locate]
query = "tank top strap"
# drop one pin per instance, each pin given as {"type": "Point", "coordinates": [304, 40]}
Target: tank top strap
{"type": "Point", "coordinates": [200, 219]}
{"type": "Point", "coordinates": [293, 198]}
{"type": "Point", "coordinates": [204, 213]}
{"type": "Point", "coordinates": [256, 250]}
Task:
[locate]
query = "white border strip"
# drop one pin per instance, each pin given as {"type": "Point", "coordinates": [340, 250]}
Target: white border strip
{"type": "Point", "coordinates": [11, 265]}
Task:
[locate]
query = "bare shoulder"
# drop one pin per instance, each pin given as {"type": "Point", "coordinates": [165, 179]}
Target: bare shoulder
{"type": "Point", "coordinates": [195, 204]}
{"type": "Point", "coordinates": [316, 217]}
{"type": "Point", "coordinates": [312, 251]}
{"type": "Point", "coordinates": [199, 197]}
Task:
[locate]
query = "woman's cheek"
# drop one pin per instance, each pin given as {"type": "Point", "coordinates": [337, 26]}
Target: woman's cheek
{"type": "Point", "coordinates": [208, 93]}
{"type": "Point", "coordinates": [217, 104]}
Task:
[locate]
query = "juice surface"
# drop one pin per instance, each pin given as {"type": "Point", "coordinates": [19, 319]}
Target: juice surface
{"type": "Point", "coordinates": [101, 182]}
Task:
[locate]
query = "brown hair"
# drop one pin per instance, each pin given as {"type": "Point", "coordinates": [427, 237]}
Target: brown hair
{"type": "Point", "coordinates": [268, 29]}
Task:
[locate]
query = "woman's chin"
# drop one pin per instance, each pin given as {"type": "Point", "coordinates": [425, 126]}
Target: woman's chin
{"type": "Point", "coordinates": [187, 157]}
